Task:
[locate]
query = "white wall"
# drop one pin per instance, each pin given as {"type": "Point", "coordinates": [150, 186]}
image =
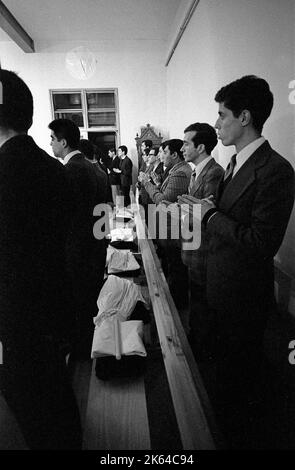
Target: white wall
{"type": "Point", "coordinates": [224, 41]}
{"type": "Point", "coordinates": [134, 67]}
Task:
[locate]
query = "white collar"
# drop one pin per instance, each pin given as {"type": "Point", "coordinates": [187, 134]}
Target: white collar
{"type": "Point", "coordinates": [246, 152]}
{"type": "Point", "coordinates": [200, 166]}
{"type": "Point", "coordinates": [70, 155]}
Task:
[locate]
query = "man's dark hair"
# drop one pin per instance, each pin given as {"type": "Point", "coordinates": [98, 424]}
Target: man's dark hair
{"type": "Point", "coordinates": [251, 93]}
{"type": "Point", "coordinates": [175, 146]}
{"type": "Point", "coordinates": [16, 105]}
{"type": "Point", "coordinates": [124, 149]}
{"type": "Point", "coordinates": [66, 129]}
{"type": "Point", "coordinates": [148, 143]}
{"type": "Point", "coordinates": [86, 147]}
{"type": "Point", "coordinates": [112, 149]}
{"type": "Point", "coordinates": [163, 144]}
{"type": "Point", "coordinates": [205, 134]}
{"type": "Point", "coordinates": [156, 149]}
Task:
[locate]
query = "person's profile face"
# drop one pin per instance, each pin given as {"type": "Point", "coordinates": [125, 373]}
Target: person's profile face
{"type": "Point", "coordinates": [161, 154]}
{"type": "Point", "coordinates": [229, 128]}
{"type": "Point", "coordinates": [57, 145]}
{"type": "Point", "coordinates": [168, 157]}
{"type": "Point", "coordinates": [190, 153]}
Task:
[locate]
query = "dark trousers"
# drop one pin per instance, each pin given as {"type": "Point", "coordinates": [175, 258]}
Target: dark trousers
{"type": "Point", "coordinates": [201, 321]}
{"type": "Point", "coordinates": [36, 387]}
{"type": "Point", "coordinates": [175, 271]}
{"type": "Point", "coordinates": [232, 375]}
{"type": "Point", "coordinates": [86, 271]}
{"type": "Point", "coordinates": [126, 191]}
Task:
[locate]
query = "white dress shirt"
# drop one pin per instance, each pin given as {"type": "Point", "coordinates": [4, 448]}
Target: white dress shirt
{"type": "Point", "coordinates": [246, 153]}
{"type": "Point", "coordinates": [199, 166]}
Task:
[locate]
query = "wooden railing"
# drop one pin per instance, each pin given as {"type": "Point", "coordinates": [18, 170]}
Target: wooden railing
{"type": "Point", "coordinates": [193, 412]}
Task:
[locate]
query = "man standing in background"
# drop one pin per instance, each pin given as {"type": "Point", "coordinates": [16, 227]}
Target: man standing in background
{"type": "Point", "coordinates": [82, 248]}
{"type": "Point", "coordinates": [125, 173]}
{"type": "Point", "coordinates": [199, 141]}
{"type": "Point", "coordinates": [115, 179]}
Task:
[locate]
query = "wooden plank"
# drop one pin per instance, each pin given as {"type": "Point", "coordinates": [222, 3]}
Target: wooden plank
{"type": "Point", "coordinates": [116, 417]}
{"type": "Point", "coordinates": [12, 27]}
{"type": "Point", "coordinates": [80, 381]}
{"type": "Point", "coordinates": [191, 403]}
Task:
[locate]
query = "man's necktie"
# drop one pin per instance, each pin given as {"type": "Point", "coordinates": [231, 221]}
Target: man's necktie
{"type": "Point", "coordinates": [192, 181]}
{"type": "Point", "coordinates": [228, 173]}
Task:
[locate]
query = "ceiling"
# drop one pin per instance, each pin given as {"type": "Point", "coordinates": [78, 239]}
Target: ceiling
{"type": "Point", "coordinates": [64, 20]}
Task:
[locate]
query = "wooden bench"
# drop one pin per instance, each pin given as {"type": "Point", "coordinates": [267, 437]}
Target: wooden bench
{"type": "Point", "coordinates": [117, 416]}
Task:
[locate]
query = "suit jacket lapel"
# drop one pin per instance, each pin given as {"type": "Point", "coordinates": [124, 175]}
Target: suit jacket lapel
{"type": "Point", "coordinates": [199, 179]}
{"type": "Point", "coordinates": [244, 177]}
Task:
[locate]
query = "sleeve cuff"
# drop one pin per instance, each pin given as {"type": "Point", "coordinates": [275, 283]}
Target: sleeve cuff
{"type": "Point", "coordinates": [208, 215]}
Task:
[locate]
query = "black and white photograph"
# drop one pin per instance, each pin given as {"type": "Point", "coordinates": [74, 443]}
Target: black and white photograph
{"type": "Point", "coordinates": [147, 228]}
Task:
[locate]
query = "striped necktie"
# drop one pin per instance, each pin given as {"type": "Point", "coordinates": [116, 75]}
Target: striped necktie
{"type": "Point", "coordinates": [230, 168]}
{"type": "Point", "coordinates": [192, 181]}
{"type": "Point", "coordinates": [228, 173]}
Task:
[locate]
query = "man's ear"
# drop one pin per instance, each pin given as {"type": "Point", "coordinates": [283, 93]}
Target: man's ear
{"type": "Point", "coordinates": [201, 148]}
{"type": "Point", "coordinates": [245, 117]}
{"type": "Point", "coordinates": [64, 143]}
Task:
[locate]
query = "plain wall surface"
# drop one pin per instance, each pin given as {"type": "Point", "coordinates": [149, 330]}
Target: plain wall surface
{"type": "Point", "coordinates": [135, 68]}
{"type": "Point", "coordinates": [224, 41]}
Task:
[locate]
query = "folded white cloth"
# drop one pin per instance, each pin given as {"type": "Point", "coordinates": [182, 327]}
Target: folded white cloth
{"type": "Point", "coordinates": [130, 339]}
{"type": "Point", "coordinates": [117, 296]}
{"type": "Point", "coordinates": [121, 261]}
{"type": "Point", "coordinates": [122, 234]}
{"type": "Point", "coordinates": [122, 212]}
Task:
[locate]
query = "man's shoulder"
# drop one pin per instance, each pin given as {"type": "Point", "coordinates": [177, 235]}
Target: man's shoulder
{"type": "Point", "coordinates": [128, 160]}
{"type": "Point", "coordinates": [275, 162]}
{"type": "Point", "coordinates": [181, 168]}
{"type": "Point", "coordinates": [214, 168]}
{"type": "Point", "coordinates": [23, 150]}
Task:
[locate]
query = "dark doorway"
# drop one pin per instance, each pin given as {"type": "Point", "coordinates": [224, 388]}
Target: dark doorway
{"type": "Point", "coordinates": [104, 142]}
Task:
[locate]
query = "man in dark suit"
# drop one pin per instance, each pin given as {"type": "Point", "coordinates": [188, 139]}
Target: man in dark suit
{"type": "Point", "coordinates": [175, 184]}
{"type": "Point", "coordinates": [125, 172]}
{"type": "Point", "coordinates": [245, 228]}
{"type": "Point", "coordinates": [178, 177]}
{"type": "Point", "coordinates": [87, 148]}
{"type": "Point", "coordinates": [36, 315]}
{"type": "Point", "coordinates": [115, 179]}
{"type": "Point", "coordinates": [82, 249]}
{"type": "Point", "coordinates": [198, 143]}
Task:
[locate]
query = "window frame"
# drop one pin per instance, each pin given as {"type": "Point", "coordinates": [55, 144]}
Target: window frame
{"type": "Point", "coordinates": [85, 129]}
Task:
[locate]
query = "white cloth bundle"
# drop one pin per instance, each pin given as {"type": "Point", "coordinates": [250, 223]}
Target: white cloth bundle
{"type": "Point", "coordinates": [115, 338]}
{"type": "Point", "coordinates": [117, 296]}
{"type": "Point", "coordinates": [121, 261]}
{"type": "Point", "coordinates": [122, 234]}
{"type": "Point", "coordinates": [124, 213]}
